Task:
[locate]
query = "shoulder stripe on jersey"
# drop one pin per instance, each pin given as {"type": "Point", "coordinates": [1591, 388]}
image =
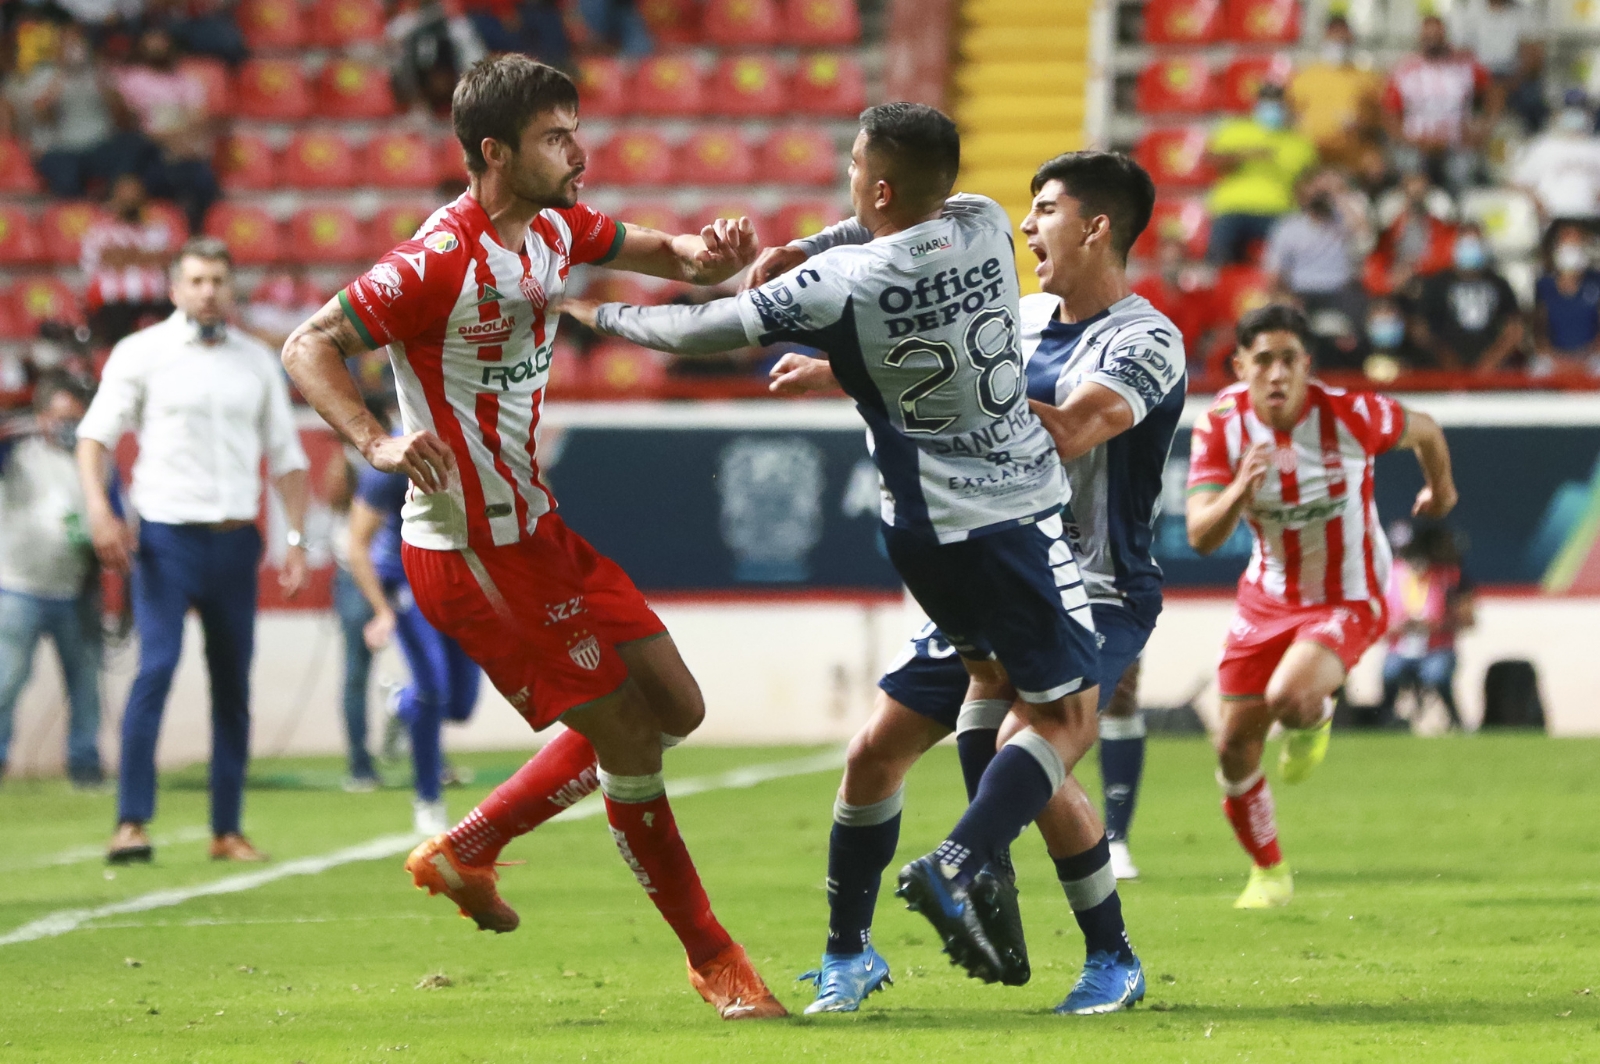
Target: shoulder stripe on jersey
{"type": "Point", "coordinates": [350, 312]}
{"type": "Point", "coordinates": [615, 248]}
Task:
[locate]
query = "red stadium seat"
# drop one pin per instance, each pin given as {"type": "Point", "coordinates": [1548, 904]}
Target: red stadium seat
{"type": "Point", "coordinates": [213, 74]}
{"type": "Point", "coordinates": [1243, 78]}
{"type": "Point", "coordinates": [326, 235]}
{"type": "Point", "coordinates": [62, 227]}
{"type": "Point", "coordinates": [820, 23]}
{"type": "Point", "coordinates": [398, 160]}
{"type": "Point", "coordinates": [394, 225]}
{"type": "Point", "coordinates": [603, 87]}
{"type": "Point", "coordinates": [652, 214]}
{"type": "Point", "coordinates": [828, 84]}
{"type": "Point", "coordinates": [1264, 21]}
{"type": "Point", "coordinates": [736, 23]}
{"type": "Point", "coordinates": [619, 368]}
{"type": "Point", "coordinates": [350, 89]}
{"type": "Point", "coordinates": [1185, 219]}
{"type": "Point", "coordinates": [162, 211]}
{"type": "Point", "coordinates": [747, 86]}
{"type": "Point", "coordinates": [19, 238]}
{"type": "Point", "coordinates": [803, 218]}
{"type": "Point", "coordinates": [1175, 156]}
{"type": "Point", "coordinates": [250, 233]}
{"type": "Point", "coordinates": [1182, 84]}
{"type": "Point", "coordinates": [799, 155]}
{"type": "Point", "coordinates": [669, 85]}
{"type": "Point", "coordinates": [273, 90]}
{"type": "Point", "coordinates": [17, 176]}
{"type": "Point", "coordinates": [319, 160]}
{"type": "Point", "coordinates": [341, 23]}
{"type": "Point", "coordinates": [247, 161]}
{"type": "Point", "coordinates": [271, 25]}
{"type": "Point", "coordinates": [716, 156]}
{"type": "Point", "coordinates": [11, 327]}
{"type": "Point", "coordinates": [671, 22]}
{"type": "Point", "coordinates": [1183, 21]}
{"type": "Point", "coordinates": [635, 157]}
{"type": "Point", "coordinates": [44, 299]}
{"type": "Point", "coordinates": [449, 162]}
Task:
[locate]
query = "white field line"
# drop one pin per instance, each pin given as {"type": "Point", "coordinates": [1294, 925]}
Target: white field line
{"type": "Point", "coordinates": [79, 854]}
{"type": "Point", "coordinates": [59, 923]}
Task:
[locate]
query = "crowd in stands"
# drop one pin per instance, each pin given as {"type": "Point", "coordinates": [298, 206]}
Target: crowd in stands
{"type": "Point", "coordinates": [1433, 209]}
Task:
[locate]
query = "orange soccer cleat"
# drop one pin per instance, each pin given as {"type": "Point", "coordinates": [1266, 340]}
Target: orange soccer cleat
{"type": "Point", "coordinates": [435, 868]}
{"type": "Point", "coordinates": [730, 983]}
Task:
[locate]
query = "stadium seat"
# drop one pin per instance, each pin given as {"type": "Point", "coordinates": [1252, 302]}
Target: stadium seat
{"type": "Point", "coordinates": [1264, 21]}
{"type": "Point", "coordinates": [1175, 156]}
{"type": "Point", "coordinates": [164, 211]}
{"type": "Point", "coordinates": [1182, 218]}
{"type": "Point", "coordinates": [350, 89]}
{"type": "Point", "coordinates": [669, 85]}
{"type": "Point", "coordinates": [732, 207]}
{"type": "Point", "coordinates": [213, 74]}
{"type": "Point", "coordinates": [320, 160]}
{"type": "Point", "coordinates": [618, 368]}
{"type": "Point", "coordinates": [603, 87]}
{"type": "Point", "coordinates": [247, 161]}
{"type": "Point", "coordinates": [325, 235]}
{"type": "Point", "coordinates": [828, 84]}
{"type": "Point", "coordinates": [450, 162]}
{"type": "Point", "coordinates": [741, 23]}
{"type": "Point", "coordinates": [652, 214]}
{"type": "Point", "coordinates": [273, 90]}
{"type": "Point", "coordinates": [250, 233]}
{"type": "Point", "coordinates": [802, 218]}
{"type": "Point", "coordinates": [1186, 22]}
{"type": "Point", "coordinates": [1180, 84]}
{"type": "Point", "coordinates": [38, 300]}
{"type": "Point", "coordinates": [716, 156]}
{"type": "Point", "coordinates": [1243, 78]}
{"type": "Point", "coordinates": [799, 155]}
{"type": "Point", "coordinates": [341, 23]}
{"type": "Point", "coordinates": [62, 227]}
{"type": "Point", "coordinates": [394, 225]}
{"type": "Point", "coordinates": [820, 23]}
{"type": "Point", "coordinates": [747, 86]}
{"type": "Point", "coordinates": [672, 22]}
{"type": "Point", "coordinates": [271, 25]}
{"type": "Point", "coordinates": [19, 238]}
{"type": "Point", "coordinates": [1509, 218]}
{"type": "Point", "coordinates": [11, 327]}
{"type": "Point", "coordinates": [17, 176]}
{"type": "Point", "coordinates": [1239, 290]}
{"type": "Point", "coordinates": [399, 160]}
{"type": "Point", "coordinates": [635, 157]}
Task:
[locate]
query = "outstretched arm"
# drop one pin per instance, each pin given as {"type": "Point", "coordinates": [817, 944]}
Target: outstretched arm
{"type": "Point", "coordinates": [702, 329]}
{"type": "Point", "coordinates": [1424, 437]}
{"type": "Point", "coordinates": [721, 250]}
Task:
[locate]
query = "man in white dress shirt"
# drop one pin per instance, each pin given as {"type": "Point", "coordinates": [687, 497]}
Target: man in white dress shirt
{"type": "Point", "coordinates": [207, 403]}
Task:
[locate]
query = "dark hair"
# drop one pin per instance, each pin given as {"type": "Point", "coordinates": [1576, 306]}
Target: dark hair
{"type": "Point", "coordinates": [1336, 20]}
{"type": "Point", "coordinates": [1274, 317]}
{"type": "Point", "coordinates": [496, 97]}
{"type": "Point", "coordinates": [921, 145]}
{"type": "Point", "coordinates": [54, 383]}
{"type": "Point", "coordinates": [1108, 183]}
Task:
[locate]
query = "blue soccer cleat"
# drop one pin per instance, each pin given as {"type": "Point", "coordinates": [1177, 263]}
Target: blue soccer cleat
{"type": "Point", "coordinates": [952, 909]}
{"type": "Point", "coordinates": [1106, 985]}
{"type": "Point", "coordinates": [845, 980]}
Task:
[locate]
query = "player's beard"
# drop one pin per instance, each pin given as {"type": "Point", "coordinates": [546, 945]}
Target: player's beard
{"type": "Point", "coordinates": [563, 193]}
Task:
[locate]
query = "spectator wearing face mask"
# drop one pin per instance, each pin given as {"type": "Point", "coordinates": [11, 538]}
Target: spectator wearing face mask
{"type": "Point", "coordinates": [1566, 306]}
{"type": "Point", "coordinates": [1336, 103]}
{"type": "Point", "coordinates": [1260, 158]}
{"type": "Point", "coordinates": [1467, 315]}
{"type": "Point", "coordinates": [1310, 258]}
{"type": "Point", "coordinates": [1560, 168]}
{"type": "Point", "coordinates": [1439, 109]}
{"type": "Point", "coordinates": [1417, 244]}
{"type": "Point", "coordinates": [1390, 351]}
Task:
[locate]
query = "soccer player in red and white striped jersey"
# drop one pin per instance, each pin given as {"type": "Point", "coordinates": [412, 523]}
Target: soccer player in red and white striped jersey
{"type": "Point", "coordinates": [1293, 459]}
{"type": "Point", "coordinates": [468, 311]}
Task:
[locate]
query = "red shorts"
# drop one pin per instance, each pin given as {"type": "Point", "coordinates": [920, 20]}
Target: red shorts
{"type": "Point", "coordinates": [543, 616]}
{"type": "Point", "coordinates": [1263, 630]}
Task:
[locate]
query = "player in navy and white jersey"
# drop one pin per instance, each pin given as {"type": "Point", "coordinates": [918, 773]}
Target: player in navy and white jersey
{"type": "Point", "coordinates": [1115, 369]}
{"type": "Point", "coordinates": [921, 325]}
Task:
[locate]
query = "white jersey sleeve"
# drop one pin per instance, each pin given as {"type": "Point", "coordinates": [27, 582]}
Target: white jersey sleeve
{"type": "Point", "coordinates": [804, 305]}
{"type": "Point", "coordinates": [1142, 363]}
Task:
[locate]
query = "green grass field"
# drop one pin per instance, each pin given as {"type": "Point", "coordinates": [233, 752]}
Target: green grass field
{"type": "Point", "coordinates": [1446, 910]}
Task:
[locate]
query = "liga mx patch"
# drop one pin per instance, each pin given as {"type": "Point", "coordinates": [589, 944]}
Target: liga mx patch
{"type": "Point", "coordinates": [440, 242]}
{"type": "Point", "coordinates": [586, 653]}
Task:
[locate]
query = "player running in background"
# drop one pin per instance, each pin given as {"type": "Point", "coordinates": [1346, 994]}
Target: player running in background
{"type": "Point", "coordinates": [1115, 366]}
{"type": "Point", "coordinates": [1293, 458]}
{"type": "Point", "coordinates": [921, 328]}
{"type": "Point", "coordinates": [468, 311]}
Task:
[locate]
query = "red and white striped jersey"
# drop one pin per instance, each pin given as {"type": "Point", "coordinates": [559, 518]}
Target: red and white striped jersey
{"type": "Point", "coordinates": [1317, 536]}
{"type": "Point", "coordinates": [126, 284]}
{"type": "Point", "coordinates": [470, 335]}
{"type": "Point", "coordinates": [1433, 97]}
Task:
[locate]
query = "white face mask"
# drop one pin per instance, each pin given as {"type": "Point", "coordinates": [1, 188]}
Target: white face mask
{"type": "Point", "coordinates": [1335, 53]}
{"type": "Point", "coordinates": [1571, 258]}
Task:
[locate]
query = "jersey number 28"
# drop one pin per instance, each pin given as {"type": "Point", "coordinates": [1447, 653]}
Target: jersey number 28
{"type": "Point", "coordinates": [990, 344]}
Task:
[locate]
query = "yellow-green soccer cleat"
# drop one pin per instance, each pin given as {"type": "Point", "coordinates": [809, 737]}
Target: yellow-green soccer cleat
{"type": "Point", "coordinates": [1303, 751]}
{"type": "Point", "coordinates": [1268, 888]}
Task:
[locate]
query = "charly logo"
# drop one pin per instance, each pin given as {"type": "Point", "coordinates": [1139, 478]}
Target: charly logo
{"type": "Point", "coordinates": [586, 653]}
{"type": "Point", "coordinates": [771, 490]}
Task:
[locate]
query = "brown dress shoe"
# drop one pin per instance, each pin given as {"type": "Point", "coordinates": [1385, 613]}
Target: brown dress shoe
{"type": "Point", "coordinates": [235, 847]}
{"type": "Point", "coordinates": [129, 844]}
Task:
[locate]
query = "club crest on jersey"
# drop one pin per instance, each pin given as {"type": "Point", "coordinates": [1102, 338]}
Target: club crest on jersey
{"type": "Point", "coordinates": [441, 242]}
{"type": "Point", "coordinates": [487, 293]}
{"type": "Point", "coordinates": [1285, 460]}
{"type": "Point", "coordinates": [586, 653]}
{"type": "Point", "coordinates": [385, 281]}
{"type": "Point", "coordinates": [533, 292]}
{"type": "Point", "coordinates": [486, 333]}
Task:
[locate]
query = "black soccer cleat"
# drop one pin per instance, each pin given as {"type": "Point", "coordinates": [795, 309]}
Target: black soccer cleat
{"type": "Point", "coordinates": [994, 898]}
{"type": "Point", "coordinates": [948, 906]}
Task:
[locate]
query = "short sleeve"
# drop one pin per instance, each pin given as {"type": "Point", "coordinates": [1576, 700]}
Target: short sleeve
{"type": "Point", "coordinates": [596, 238]}
{"type": "Point", "coordinates": [384, 492]}
{"type": "Point", "coordinates": [1376, 420]}
{"type": "Point", "coordinates": [797, 306]}
{"type": "Point", "coordinates": [1209, 465]}
{"type": "Point", "coordinates": [411, 290]}
{"type": "Point", "coordinates": [1143, 368]}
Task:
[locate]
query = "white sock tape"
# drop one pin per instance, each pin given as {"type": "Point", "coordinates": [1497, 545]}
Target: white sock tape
{"type": "Point", "coordinates": [1040, 749]}
{"type": "Point", "coordinates": [982, 713]}
{"type": "Point", "coordinates": [866, 816]}
{"type": "Point", "coordinates": [1122, 727]}
{"type": "Point", "coordinates": [1232, 789]}
{"type": "Point", "coordinates": [632, 789]}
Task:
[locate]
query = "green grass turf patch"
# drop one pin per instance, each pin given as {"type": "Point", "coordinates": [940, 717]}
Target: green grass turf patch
{"type": "Point", "coordinates": [1446, 892]}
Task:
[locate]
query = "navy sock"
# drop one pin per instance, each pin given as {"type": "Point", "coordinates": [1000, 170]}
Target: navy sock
{"type": "Point", "coordinates": [1011, 795]}
{"type": "Point", "coordinates": [975, 747]}
{"type": "Point", "coordinates": [1121, 765]}
{"type": "Point", "coordinates": [1091, 890]}
{"type": "Point", "coordinates": [859, 849]}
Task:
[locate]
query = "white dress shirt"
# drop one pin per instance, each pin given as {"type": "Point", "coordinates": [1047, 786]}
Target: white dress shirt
{"type": "Point", "coordinates": [44, 543]}
{"type": "Point", "coordinates": [204, 413]}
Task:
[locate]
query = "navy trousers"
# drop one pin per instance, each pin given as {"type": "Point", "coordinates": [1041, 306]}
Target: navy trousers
{"type": "Point", "coordinates": [179, 566]}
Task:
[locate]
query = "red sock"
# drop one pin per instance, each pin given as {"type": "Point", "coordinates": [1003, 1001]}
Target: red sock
{"type": "Point", "coordinates": [1250, 813]}
{"type": "Point", "coordinates": [562, 772]}
{"type": "Point", "coordinates": [647, 837]}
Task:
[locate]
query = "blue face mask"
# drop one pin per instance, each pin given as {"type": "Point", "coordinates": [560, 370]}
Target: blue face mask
{"type": "Point", "coordinates": [1470, 255]}
{"type": "Point", "coordinates": [1271, 113]}
{"type": "Point", "coordinates": [1386, 332]}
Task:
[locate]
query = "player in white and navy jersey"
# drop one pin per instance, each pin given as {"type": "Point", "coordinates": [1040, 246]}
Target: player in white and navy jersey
{"type": "Point", "coordinates": [468, 310]}
{"type": "Point", "coordinates": [1293, 459]}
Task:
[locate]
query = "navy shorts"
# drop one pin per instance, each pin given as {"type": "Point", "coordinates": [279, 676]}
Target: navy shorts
{"type": "Point", "coordinates": [927, 676]}
{"type": "Point", "coordinates": [1014, 596]}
